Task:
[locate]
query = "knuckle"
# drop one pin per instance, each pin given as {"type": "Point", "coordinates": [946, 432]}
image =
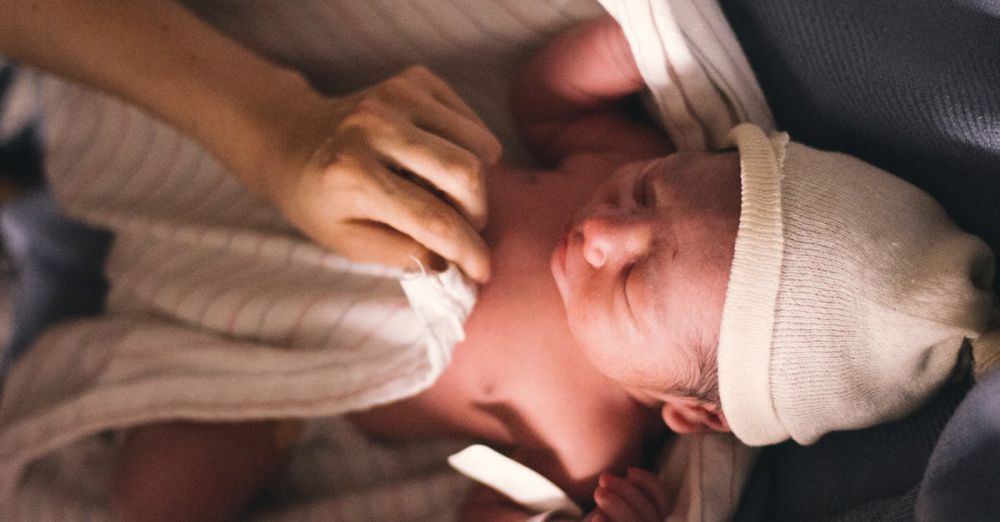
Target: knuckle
{"type": "Point", "coordinates": [495, 151]}
{"type": "Point", "coordinates": [412, 142]}
{"type": "Point", "coordinates": [355, 121]}
{"type": "Point", "coordinates": [417, 72]}
{"type": "Point", "coordinates": [368, 120]}
{"type": "Point", "coordinates": [371, 106]}
{"type": "Point", "coordinates": [338, 175]}
{"type": "Point", "coordinates": [395, 86]}
{"type": "Point", "coordinates": [438, 223]}
{"type": "Point", "coordinates": [466, 168]}
{"type": "Point", "coordinates": [346, 173]}
{"type": "Point", "coordinates": [369, 109]}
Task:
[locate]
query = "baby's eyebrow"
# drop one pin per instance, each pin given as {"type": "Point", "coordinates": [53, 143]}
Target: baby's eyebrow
{"type": "Point", "coordinates": [656, 285]}
{"type": "Point", "coordinates": [640, 192]}
{"type": "Point", "coordinates": [627, 297]}
{"type": "Point", "coordinates": [639, 302]}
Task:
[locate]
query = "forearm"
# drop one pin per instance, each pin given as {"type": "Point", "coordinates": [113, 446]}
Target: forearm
{"type": "Point", "coordinates": [576, 96]}
{"type": "Point", "coordinates": [158, 55]}
{"type": "Point", "coordinates": [585, 70]}
{"type": "Point", "coordinates": [584, 74]}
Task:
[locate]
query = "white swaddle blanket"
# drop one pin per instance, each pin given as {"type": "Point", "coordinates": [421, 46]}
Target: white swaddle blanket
{"type": "Point", "coordinates": [219, 311]}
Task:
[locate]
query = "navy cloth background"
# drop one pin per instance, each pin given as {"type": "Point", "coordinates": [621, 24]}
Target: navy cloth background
{"type": "Point", "coordinates": [57, 260]}
{"type": "Point", "coordinates": [59, 265]}
{"type": "Point", "coordinates": [912, 86]}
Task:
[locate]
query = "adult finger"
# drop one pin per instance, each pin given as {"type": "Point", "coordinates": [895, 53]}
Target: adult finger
{"type": "Point", "coordinates": [633, 496]}
{"type": "Point", "coordinates": [431, 222]}
{"type": "Point", "coordinates": [437, 87]}
{"type": "Point", "coordinates": [614, 506]}
{"type": "Point", "coordinates": [372, 242]}
{"type": "Point", "coordinates": [430, 114]}
{"type": "Point", "coordinates": [446, 167]}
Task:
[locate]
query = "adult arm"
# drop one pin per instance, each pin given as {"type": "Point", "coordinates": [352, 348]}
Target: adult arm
{"type": "Point", "coordinates": [332, 165]}
{"type": "Point", "coordinates": [576, 95]}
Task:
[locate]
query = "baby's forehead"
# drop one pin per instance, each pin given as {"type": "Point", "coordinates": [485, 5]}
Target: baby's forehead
{"type": "Point", "coordinates": [644, 167]}
{"type": "Point", "coordinates": [682, 169]}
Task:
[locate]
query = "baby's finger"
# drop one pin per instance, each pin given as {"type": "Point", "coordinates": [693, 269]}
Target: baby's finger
{"type": "Point", "coordinates": [633, 496]}
{"type": "Point", "coordinates": [596, 515]}
{"type": "Point", "coordinates": [431, 222]}
{"type": "Point", "coordinates": [616, 508]}
{"type": "Point", "coordinates": [442, 165]}
{"type": "Point", "coordinates": [653, 487]}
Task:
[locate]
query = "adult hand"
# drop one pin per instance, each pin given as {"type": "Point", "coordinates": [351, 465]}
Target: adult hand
{"type": "Point", "coordinates": [390, 173]}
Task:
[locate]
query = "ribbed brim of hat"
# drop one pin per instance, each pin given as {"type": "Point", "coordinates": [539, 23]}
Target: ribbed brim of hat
{"type": "Point", "coordinates": [749, 312]}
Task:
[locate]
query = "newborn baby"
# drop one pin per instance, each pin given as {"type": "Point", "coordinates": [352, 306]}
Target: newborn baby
{"type": "Point", "coordinates": [633, 287]}
{"type": "Point", "coordinates": [518, 381]}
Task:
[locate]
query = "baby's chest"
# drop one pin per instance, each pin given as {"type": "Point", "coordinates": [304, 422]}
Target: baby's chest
{"type": "Point", "coordinates": [566, 423]}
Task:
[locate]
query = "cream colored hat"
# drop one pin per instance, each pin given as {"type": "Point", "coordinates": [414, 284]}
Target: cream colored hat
{"type": "Point", "coordinates": [850, 295]}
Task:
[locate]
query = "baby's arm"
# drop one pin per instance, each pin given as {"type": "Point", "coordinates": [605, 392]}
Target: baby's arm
{"type": "Point", "coordinates": [576, 96]}
{"type": "Point", "coordinates": [197, 471]}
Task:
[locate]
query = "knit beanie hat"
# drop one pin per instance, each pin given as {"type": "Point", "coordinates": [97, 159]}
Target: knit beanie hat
{"type": "Point", "coordinates": [850, 295]}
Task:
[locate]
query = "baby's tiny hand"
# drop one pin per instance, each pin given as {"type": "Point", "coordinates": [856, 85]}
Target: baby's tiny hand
{"type": "Point", "coordinates": [639, 497]}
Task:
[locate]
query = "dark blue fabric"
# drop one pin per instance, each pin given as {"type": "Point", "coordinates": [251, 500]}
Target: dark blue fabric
{"type": "Point", "coordinates": [58, 261]}
{"type": "Point", "coordinates": [912, 86]}
{"type": "Point", "coordinates": [20, 154]}
{"type": "Point", "coordinates": [962, 481]}
{"type": "Point", "coordinates": [59, 265]}
{"type": "Point", "coordinates": [869, 474]}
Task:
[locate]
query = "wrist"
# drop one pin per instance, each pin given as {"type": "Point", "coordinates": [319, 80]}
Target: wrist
{"type": "Point", "coordinates": [272, 124]}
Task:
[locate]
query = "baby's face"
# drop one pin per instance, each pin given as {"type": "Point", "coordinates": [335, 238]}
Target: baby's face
{"type": "Point", "coordinates": [643, 270]}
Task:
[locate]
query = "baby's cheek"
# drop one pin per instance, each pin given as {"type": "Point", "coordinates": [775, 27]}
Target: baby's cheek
{"type": "Point", "coordinates": [602, 351]}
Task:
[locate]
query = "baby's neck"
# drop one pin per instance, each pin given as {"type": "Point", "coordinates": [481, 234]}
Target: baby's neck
{"type": "Point", "coordinates": [519, 356]}
{"type": "Point", "coordinates": [530, 211]}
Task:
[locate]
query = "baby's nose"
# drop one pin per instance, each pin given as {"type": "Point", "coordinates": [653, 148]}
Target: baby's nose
{"type": "Point", "coordinates": [614, 238]}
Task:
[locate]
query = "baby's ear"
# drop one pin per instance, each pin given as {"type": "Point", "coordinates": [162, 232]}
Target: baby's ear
{"type": "Point", "coordinates": [686, 415]}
